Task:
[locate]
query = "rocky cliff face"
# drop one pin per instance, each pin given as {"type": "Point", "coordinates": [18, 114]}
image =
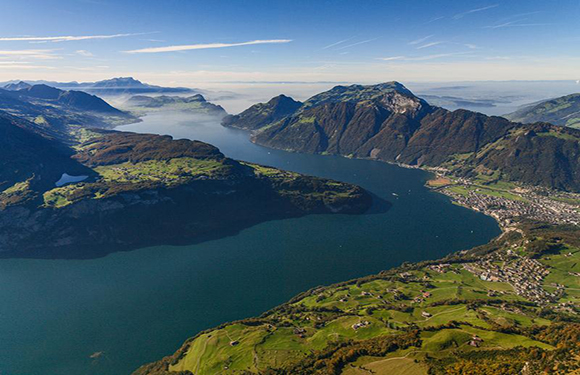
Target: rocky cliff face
{"type": "Point", "coordinates": [349, 127]}
{"type": "Point", "coordinates": [387, 122]}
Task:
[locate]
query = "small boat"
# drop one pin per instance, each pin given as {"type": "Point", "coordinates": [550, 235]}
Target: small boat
{"type": "Point", "coordinates": [96, 355]}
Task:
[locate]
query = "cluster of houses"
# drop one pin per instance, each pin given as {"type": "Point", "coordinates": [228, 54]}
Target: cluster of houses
{"type": "Point", "coordinates": [423, 295]}
{"type": "Point", "coordinates": [568, 307]}
{"type": "Point", "coordinates": [361, 324]}
{"type": "Point", "coordinates": [440, 268]}
{"type": "Point", "coordinates": [476, 341]}
{"type": "Point", "coordinates": [524, 274]}
{"type": "Point", "coordinates": [532, 205]}
{"type": "Point", "coordinates": [300, 332]}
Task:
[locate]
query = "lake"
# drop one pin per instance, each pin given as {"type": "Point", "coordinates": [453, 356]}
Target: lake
{"type": "Point", "coordinates": [138, 306]}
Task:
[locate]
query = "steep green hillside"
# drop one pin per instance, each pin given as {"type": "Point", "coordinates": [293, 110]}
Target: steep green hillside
{"type": "Point", "coordinates": [509, 307]}
{"type": "Point", "coordinates": [55, 110]}
{"type": "Point", "coordinates": [387, 122]}
{"type": "Point", "coordinates": [30, 158]}
{"type": "Point", "coordinates": [563, 111]}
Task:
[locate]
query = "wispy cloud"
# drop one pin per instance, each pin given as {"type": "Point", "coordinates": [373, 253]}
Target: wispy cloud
{"type": "Point", "coordinates": [358, 43]}
{"type": "Point", "coordinates": [421, 40]}
{"type": "Point", "coordinates": [424, 58]}
{"type": "Point", "coordinates": [429, 45]}
{"type": "Point", "coordinates": [392, 58]}
{"type": "Point", "coordinates": [88, 68]}
{"type": "Point", "coordinates": [40, 54]}
{"type": "Point", "coordinates": [463, 14]}
{"type": "Point", "coordinates": [13, 62]}
{"type": "Point", "coordinates": [498, 58]}
{"type": "Point", "coordinates": [517, 16]}
{"type": "Point", "coordinates": [63, 38]}
{"type": "Point", "coordinates": [188, 47]}
{"type": "Point", "coordinates": [84, 53]}
{"type": "Point", "coordinates": [434, 20]}
{"type": "Point", "coordinates": [471, 46]}
{"type": "Point", "coordinates": [337, 43]}
{"type": "Point", "coordinates": [438, 56]}
{"type": "Point", "coordinates": [515, 24]}
{"type": "Point", "coordinates": [23, 65]}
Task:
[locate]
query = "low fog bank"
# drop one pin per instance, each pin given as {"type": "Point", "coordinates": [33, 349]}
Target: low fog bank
{"type": "Point", "coordinates": [488, 97]}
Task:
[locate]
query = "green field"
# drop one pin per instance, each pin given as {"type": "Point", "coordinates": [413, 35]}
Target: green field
{"type": "Point", "coordinates": [166, 173]}
{"type": "Point", "coordinates": [385, 307]}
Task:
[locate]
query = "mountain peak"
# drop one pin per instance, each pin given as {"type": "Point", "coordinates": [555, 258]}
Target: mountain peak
{"type": "Point", "coordinates": [41, 91]}
{"type": "Point", "coordinates": [358, 93]}
{"type": "Point", "coordinates": [262, 113]}
{"type": "Point", "coordinates": [17, 86]}
{"type": "Point", "coordinates": [393, 86]}
{"type": "Point", "coordinates": [282, 100]}
{"type": "Point", "coordinates": [120, 82]}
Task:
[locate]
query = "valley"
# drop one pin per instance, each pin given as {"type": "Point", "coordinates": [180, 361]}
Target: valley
{"type": "Point", "coordinates": [431, 317]}
{"type": "Point", "coordinates": [277, 187]}
{"type": "Point", "coordinates": [249, 271]}
{"type": "Point", "coordinates": [424, 316]}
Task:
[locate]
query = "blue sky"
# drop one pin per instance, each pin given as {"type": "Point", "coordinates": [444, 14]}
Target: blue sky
{"type": "Point", "coordinates": [192, 42]}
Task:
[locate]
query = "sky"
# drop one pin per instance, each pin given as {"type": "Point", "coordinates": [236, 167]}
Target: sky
{"type": "Point", "coordinates": [192, 43]}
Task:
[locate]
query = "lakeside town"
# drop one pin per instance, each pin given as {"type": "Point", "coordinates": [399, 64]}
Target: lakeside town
{"type": "Point", "coordinates": [507, 207]}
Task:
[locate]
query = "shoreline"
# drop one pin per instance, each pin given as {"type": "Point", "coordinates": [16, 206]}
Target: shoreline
{"type": "Point", "coordinates": [542, 209]}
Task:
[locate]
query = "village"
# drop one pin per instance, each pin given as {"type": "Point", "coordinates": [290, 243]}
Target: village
{"type": "Point", "coordinates": [537, 204]}
{"type": "Point", "coordinates": [524, 274]}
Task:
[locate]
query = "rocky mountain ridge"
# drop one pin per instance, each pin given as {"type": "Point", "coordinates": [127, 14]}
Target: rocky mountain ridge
{"type": "Point", "coordinates": [387, 122]}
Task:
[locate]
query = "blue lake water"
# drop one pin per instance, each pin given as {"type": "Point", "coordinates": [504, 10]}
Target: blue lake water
{"type": "Point", "coordinates": [139, 306]}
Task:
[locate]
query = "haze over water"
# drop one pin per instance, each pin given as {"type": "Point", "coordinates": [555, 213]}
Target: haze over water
{"type": "Point", "coordinates": [138, 306]}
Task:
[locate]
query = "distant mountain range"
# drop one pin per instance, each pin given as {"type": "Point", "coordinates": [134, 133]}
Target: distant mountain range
{"type": "Point", "coordinates": [387, 122]}
{"type": "Point", "coordinates": [114, 86]}
{"type": "Point", "coordinates": [564, 111]}
{"type": "Point", "coordinates": [194, 104]}
{"type": "Point", "coordinates": [55, 109]}
{"type": "Point", "coordinates": [17, 86]}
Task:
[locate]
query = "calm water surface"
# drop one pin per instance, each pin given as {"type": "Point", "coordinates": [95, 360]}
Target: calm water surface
{"type": "Point", "coordinates": [138, 306]}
